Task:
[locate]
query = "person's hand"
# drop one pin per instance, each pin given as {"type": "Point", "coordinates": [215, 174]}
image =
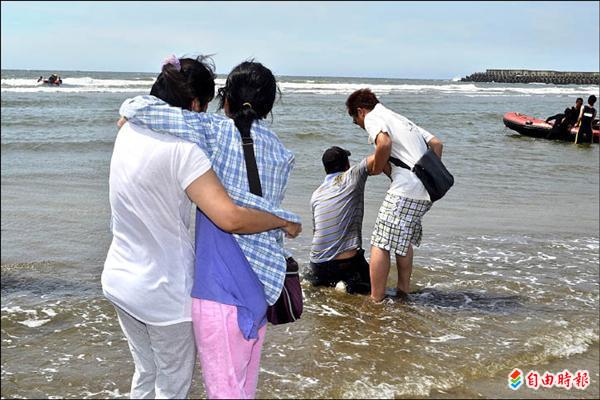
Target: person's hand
{"type": "Point", "coordinates": [121, 122]}
{"type": "Point", "coordinates": [292, 229]}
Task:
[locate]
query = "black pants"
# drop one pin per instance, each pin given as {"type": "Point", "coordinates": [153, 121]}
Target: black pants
{"type": "Point", "coordinates": [354, 271]}
{"type": "Point", "coordinates": [585, 135]}
{"type": "Point", "coordinates": [559, 131]}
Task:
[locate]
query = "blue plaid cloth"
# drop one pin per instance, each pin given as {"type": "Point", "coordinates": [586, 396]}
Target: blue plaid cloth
{"type": "Point", "coordinates": [219, 138]}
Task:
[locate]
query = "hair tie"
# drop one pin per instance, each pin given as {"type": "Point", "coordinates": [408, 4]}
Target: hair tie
{"type": "Point", "coordinates": [247, 104]}
{"type": "Point", "coordinates": [174, 61]}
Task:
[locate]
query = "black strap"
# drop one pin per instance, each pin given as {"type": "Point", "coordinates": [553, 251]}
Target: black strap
{"type": "Point", "coordinates": [399, 163]}
{"type": "Point", "coordinates": [251, 168]}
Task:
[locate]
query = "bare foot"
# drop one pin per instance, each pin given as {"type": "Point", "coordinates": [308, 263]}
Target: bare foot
{"type": "Point", "coordinates": [401, 295]}
{"type": "Point", "coordinates": [377, 300]}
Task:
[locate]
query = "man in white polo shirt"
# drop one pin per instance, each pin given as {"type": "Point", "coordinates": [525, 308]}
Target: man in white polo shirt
{"type": "Point", "coordinates": [398, 224]}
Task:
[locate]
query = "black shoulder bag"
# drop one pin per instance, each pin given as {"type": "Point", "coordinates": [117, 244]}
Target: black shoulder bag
{"type": "Point", "coordinates": [432, 173]}
{"type": "Point", "coordinates": [288, 306]}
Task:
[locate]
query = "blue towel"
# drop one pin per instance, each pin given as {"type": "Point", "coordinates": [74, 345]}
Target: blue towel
{"type": "Point", "coordinates": [224, 275]}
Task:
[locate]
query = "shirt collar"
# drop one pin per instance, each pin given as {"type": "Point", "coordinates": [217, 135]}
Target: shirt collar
{"type": "Point", "coordinates": [379, 107]}
{"type": "Point", "coordinates": [331, 176]}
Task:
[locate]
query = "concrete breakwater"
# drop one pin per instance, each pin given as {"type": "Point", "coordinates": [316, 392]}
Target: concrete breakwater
{"type": "Point", "coordinates": [529, 76]}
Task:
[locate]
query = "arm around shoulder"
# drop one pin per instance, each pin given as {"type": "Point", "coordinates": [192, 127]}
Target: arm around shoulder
{"type": "Point", "coordinates": [210, 196]}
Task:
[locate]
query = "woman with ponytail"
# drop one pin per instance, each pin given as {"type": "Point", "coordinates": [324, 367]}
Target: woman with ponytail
{"type": "Point", "coordinates": [236, 276]}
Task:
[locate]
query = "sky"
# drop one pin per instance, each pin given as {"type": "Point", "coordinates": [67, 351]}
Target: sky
{"type": "Point", "coordinates": [436, 40]}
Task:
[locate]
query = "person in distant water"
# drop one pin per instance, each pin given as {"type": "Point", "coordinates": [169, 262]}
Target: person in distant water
{"type": "Point", "coordinates": [149, 268]}
{"type": "Point", "coordinates": [52, 78]}
{"type": "Point", "coordinates": [398, 224]}
{"type": "Point", "coordinates": [41, 79]}
{"type": "Point", "coordinates": [587, 114]}
{"type": "Point", "coordinates": [563, 122]}
{"type": "Point", "coordinates": [337, 206]}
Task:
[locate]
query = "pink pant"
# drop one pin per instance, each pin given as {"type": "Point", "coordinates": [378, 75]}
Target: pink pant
{"type": "Point", "coordinates": [230, 363]}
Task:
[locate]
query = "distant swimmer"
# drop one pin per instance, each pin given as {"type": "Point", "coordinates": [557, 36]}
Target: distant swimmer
{"type": "Point", "coordinates": [41, 79]}
{"type": "Point", "coordinates": [585, 120]}
{"type": "Point", "coordinates": [336, 254]}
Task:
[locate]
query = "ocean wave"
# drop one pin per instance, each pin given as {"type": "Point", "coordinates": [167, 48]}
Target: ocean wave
{"type": "Point", "coordinates": [58, 146]}
{"type": "Point", "coordinates": [82, 85]}
{"type": "Point", "coordinates": [90, 84]}
{"type": "Point", "coordinates": [449, 88]}
{"type": "Point", "coordinates": [412, 385]}
{"type": "Point", "coordinates": [78, 85]}
{"type": "Point", "coordinates": [80, 82]}
{"type": "Point", "coordinates": [564, 344]}
{"type": "Point", "coordinates": [61, 89]}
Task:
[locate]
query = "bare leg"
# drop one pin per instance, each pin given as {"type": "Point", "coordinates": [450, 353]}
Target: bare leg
{"type": "Point", "coordinates": [379, 267]}
{"type": "Point", "coordinates": [405, 266]}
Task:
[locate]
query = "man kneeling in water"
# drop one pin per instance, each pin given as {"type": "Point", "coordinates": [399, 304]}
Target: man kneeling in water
{"type": "Point", "coordinates": [338, 207]}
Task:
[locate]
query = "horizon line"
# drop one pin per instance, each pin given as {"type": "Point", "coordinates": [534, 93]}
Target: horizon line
{"type": "Point", "coordinates": [296, 76]}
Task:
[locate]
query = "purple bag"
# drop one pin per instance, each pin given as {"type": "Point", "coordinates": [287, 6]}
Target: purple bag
{"type": "Point", "coordinates": [288, 307]}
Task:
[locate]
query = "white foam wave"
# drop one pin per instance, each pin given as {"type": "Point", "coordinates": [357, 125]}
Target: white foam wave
{"type": "Point", "coordinates": [330, 311]}
{"type": "Point", "coordinates": [83, 82]}
{"type": "Point", "coordinates": [17, 309]}
{"type": "Point", "coordinates": [34, 323]}
{"type": "Point", "coordinates": [447, 88]}
{"type": "Point", "coordinates": [446, 338]}
{"type": "Point", "coordinates": [49, 312]}
{"type": "Point", "coordinates": [90, 84]}
{"type": "Point", "coordinates": [83, 85]}
{"type": "Point", "coordinates": [366, 390]}
{"type": "Point", "coordinates": [106, 393]}
{"type": "Point", "coordinates": [49, 89]}
{"type": "Point", "coordinates": [566, 344]}
{"type": "Point", "coordinates": [78, 85]}
{"type": "Point", "coordinates": [411, 386]}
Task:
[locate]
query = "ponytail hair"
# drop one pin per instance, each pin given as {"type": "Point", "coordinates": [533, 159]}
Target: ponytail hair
{"type": "Point", "coordinates": [250, 92]}
{"type": "Point", "coordinates": [180, 83]}
{"type": "Point", "coordinates": [244, 119]}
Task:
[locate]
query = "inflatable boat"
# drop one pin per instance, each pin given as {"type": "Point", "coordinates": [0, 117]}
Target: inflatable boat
{"type": "Point", "coordinates": [538, 128]}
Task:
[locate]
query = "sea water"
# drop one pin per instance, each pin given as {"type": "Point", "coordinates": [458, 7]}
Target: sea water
{"type": "Point", "coordinates": [506, 276]}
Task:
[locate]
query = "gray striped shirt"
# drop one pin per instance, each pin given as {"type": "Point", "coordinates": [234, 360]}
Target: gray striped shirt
{"type": "Point", "coordinates": [338, 208]}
